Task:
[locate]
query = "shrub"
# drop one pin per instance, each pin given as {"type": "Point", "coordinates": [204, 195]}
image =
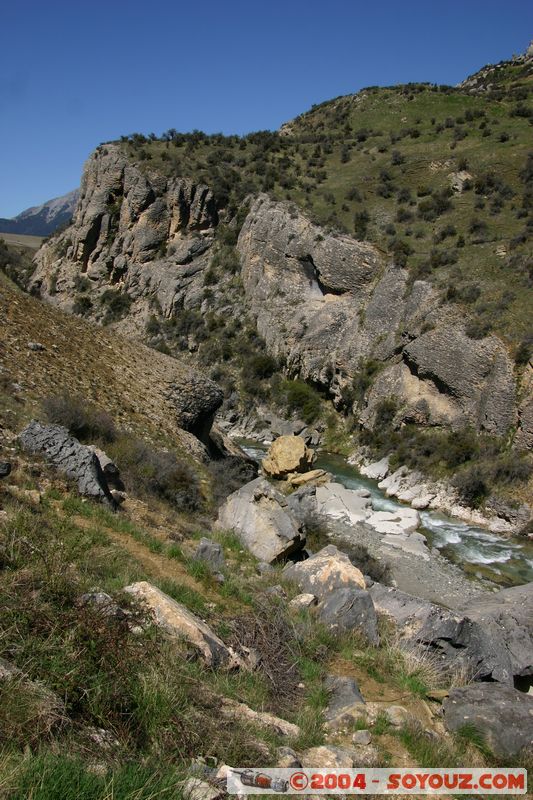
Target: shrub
{"type": "Point", "coordinates": [302, 399]}
{"type": "Point", "coordinates": [360, 557]}
{"type": "Point", "coordinates": [82, 305]}
{"type": "Point", "coordinates": [478, 328]}
{"type": "Point", "coordinates": [228, 475]}
{"type": "Point", "coordinates": [84, 421]}
{"type": "Point", "coordinates": [117, 305]}
{"type": "Point", "coordinates": [524, 351]}
{"type": "Point", "coordinates": [472, 485]}
{"type": "Point", "coordinates": [262, 365]}
{"type": "Point", "coordinates": [147, 470]}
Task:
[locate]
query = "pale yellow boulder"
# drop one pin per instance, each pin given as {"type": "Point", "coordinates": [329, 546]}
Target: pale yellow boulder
{"type": "Point", "coordinates": [287, 454]}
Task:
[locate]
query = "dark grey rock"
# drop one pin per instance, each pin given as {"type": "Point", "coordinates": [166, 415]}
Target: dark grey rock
{"type": "Point", "coordinates": [104, 602]}
{"type": "Point", "coordinates": [37, 347]}
{"type": "Point", "coordinates": [503, 715]}
{"type": "Point", "coordinates": [211, 553]}
{"type": "Point", "coordinates": [350, 609]}
{"type": "Point", "coordinates": [490, 639]}
{"type": "Point", "coordinates": [302, 504]}
{"type": "Point", "coordinates": [345, 701]}
{"type": "Point", "coordinates": [65, 453]}
{"type": "Point", "coordinates": [5, 469]}
{"type": "Point", "coordinates": [363, 737]}
{"type": "Point", "coordinates": [506, 619]}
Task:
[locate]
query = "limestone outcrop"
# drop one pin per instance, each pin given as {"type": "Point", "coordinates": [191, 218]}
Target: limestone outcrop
{"type": "Point", "coordinates": [138, 234]}
{"type": "Point", "coordinates": [260, 517]}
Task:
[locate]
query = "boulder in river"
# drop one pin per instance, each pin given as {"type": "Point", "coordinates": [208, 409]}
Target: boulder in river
{"type": "Point", "coordinates": [377, 470]}
{"type": "Point", "coordinates": [287, 454]}
{"type": "Point", "coordinates": [337, 502]}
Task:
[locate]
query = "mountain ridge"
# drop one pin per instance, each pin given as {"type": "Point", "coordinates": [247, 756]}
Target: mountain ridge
{"type": "Point", "coordinates": [44, 219]}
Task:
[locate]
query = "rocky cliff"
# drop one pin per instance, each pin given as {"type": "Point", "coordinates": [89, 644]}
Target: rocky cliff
{"type": "Point", "coordinates": [331, 307]}
{"type": "Point", "coordinates": [137, 235]}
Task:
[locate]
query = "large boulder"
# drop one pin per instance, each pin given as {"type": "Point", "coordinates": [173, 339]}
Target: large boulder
{"type": "Point", "coordinates": [490, 639]}
{"type": "Point", "coordinates": [259, 515]}
{"type": "Point", "coordinates": [325, 572]}
{"type": "Point", "coordinates": [77, 461]}
{"type": "Point", "coordinates": [286, 455]}
{"type": "Point", "coordinates": [350, 610]}
{"type": "Point", "coordinates": [180, 623]}
{"type": "Point", "coordinates": [501, 714]}
{"type": "Point", "coordinates": [507, 619]}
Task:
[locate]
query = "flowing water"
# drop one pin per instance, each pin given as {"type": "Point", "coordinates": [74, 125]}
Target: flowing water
{"type": "Point", "coordinates": [508, 562]}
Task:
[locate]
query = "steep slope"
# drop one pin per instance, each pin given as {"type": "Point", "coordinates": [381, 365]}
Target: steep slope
{"type": "Point", "coordinates": [144, 391]}
{"type": "Point", "coordinates": [44, 219]}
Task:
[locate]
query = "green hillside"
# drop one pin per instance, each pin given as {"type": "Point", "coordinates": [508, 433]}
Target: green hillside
{"type": "Point", "coordinates": [380, 165]}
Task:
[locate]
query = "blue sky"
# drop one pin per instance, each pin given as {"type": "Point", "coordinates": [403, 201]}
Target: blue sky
{"type": "Point", "coordinates": [75, 74]}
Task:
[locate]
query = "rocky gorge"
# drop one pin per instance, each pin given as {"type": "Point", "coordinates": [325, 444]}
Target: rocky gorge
{"type": "Point", "coordinates": [296, 528]}
{"type": "Point", "coordinates": [150, 240]}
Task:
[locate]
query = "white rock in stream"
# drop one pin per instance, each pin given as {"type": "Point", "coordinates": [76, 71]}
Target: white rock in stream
{"type": "Point", "coordinates": [376, 471]}
{"type": "Point", "coordinates": [337, 502]}
{"type": "Point", "coordinates": [414, 543]}
{"type": "Point", "coordinates": [400, 521]}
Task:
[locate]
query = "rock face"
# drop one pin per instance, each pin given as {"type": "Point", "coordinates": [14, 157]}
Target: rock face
{"type": "Point", "coordinates": [306, 287]}
{"type": "Point", "coordinates": [77, 461]}
{"type": "Point", "coordinates": [142, 235]}
{"type": "Point", "coordinates": [490, 640]}
{"type": "Point", "coordinates": [287, 454]}
{"type": "Point", "coordinates": [502, 715]}
{"type": "Point", "coordinates": [259, 516]}
{"type": "Point", "coordinates": [181, 623]}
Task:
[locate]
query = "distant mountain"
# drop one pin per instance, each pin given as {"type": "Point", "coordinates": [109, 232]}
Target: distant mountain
{"type": "Point", "coordinates": [44, 219]}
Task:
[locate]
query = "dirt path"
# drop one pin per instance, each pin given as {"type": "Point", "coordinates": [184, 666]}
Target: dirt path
{"type": "Point", "coordinates": [156, 565]}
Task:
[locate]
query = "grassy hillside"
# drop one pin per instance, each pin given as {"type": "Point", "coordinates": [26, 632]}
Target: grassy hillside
{"type": "Point", "coordinates": [381, 165]}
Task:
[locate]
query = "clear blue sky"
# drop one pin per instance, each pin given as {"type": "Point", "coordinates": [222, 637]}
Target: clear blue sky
{"type": "Point", "coordinates": [75, 74]}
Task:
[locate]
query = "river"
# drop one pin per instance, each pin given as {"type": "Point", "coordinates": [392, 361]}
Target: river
{"type": "Point", "coordinates": [506, 561]}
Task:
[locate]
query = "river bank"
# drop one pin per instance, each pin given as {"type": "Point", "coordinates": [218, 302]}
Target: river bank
{"type": "Point", "coordinates": [462, 560]}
